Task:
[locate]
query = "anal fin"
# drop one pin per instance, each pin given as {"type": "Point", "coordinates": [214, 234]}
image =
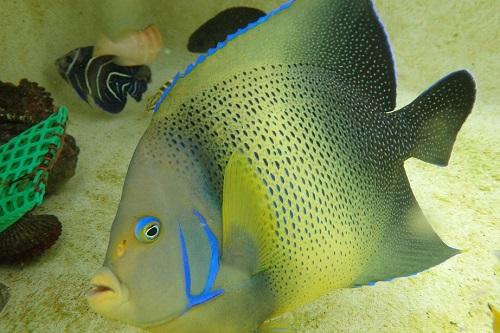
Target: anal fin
{"type": "Point", "coordinates": [409, 244]}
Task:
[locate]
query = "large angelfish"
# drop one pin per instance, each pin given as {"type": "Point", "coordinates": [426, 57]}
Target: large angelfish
{"type": "Point", "coordinates": [273, 173]}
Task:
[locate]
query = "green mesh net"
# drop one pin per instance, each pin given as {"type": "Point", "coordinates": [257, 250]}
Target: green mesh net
{"type": "Point", "coordinates": [25, 162]}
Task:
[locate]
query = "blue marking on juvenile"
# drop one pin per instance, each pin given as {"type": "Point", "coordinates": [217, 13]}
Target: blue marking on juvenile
{"type": "Point", "coordinates": [219, 46]}
{"type": "Point", "coordinates": [207, 293]}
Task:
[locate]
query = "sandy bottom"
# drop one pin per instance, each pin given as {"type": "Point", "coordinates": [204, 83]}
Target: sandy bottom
{"type": "Point", "coordinates": [430, 38]}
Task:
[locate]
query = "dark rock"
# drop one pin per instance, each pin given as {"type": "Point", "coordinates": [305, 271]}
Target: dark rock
{"type": "Point", "coordinates": [28, 238]}
{"type": "Point", "coordinates": [64, 166]}
{"type": "Point", "coordinates": [27, 103]}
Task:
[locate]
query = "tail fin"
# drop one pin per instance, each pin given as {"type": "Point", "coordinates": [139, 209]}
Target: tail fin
{"type": "Point", "coordinates": [139, 83]}
{"type": "Point", "coordinates": [136, 89]}
{"type": "Point", "coordinates": [430, 124]}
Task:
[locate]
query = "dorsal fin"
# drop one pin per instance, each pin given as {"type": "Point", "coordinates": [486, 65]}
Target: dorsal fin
{"type": "Point", "coordinates": [347, 38]}
{"type": "Point", "coordinates": [342, 36]}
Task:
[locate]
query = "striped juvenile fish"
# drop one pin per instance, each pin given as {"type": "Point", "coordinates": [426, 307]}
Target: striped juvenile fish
{"type": "Point", "coordinates": [107, 83]}
{"type": "Point", "coordinates": [273, 173]}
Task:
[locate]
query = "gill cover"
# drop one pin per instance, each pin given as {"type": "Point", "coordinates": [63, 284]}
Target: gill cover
{"type": "Point", "coordinates": [207, 293]}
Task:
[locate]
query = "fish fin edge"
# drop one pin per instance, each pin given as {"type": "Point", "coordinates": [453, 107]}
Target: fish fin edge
{"type": "Point", "coordinates": [409, 244]}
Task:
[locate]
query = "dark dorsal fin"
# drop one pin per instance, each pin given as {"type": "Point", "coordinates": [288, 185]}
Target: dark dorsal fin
{"type": "Point", "coordinates": [220, 26]}
{"type": "Point", "coordinates": [348, 38]}
{"type": "Point", "coordinates": [343, 37]}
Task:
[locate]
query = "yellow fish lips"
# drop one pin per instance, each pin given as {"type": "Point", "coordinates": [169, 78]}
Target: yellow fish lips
{"type": "Point", "coordinates": [107, 294]}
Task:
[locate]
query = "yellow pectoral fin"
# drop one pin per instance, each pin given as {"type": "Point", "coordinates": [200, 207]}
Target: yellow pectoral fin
{"type": "Point", "coordinates": [495, 313]}
{"type": "Point", "coordinates": [246, 217]}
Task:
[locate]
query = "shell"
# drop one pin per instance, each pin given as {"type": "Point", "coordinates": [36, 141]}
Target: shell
{"type": "Point", "coordinates": [4, 295]}
{"type": "Point", "coordinates": [132, 49]}
{"type": "Point", "coordinates": [28, 238]}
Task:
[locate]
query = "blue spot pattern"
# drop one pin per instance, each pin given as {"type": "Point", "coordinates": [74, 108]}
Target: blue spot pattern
{"type": "Point", "coordinates": [219, 46]}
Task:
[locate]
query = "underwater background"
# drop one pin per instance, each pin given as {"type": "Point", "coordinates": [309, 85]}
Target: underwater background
{"type": "Point", "coordinates": [430, 38]}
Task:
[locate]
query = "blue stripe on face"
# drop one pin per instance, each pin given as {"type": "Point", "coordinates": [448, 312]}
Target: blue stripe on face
{"type": "Point", "coordinates": [207, 293]}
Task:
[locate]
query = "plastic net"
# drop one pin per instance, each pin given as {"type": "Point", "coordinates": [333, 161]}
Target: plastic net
{"type": "Point", "coordinates": [25, 162]}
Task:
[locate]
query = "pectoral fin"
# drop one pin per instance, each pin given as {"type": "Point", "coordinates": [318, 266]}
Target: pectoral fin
{"type": "Point", "coordinates": [244, 212]}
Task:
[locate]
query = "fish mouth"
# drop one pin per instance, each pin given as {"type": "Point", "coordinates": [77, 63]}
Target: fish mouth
{"type": "Point", "coordinates": [106, 288]}
{"type": "Point", "coordinates": [99, 290]}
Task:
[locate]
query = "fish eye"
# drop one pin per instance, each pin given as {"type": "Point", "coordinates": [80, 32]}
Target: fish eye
{"type": "Point", "coordinates": [147, 229]}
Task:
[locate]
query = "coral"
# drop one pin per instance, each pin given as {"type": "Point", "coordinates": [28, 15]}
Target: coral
{"type": "Point", "coordinates": [64, 166]}
{"type": "Point", "coordinates": [21, 107]}
{"type": "Point", "coordinates": [28, 238]}
{"type": "Point", "coordinates": [25, 105]}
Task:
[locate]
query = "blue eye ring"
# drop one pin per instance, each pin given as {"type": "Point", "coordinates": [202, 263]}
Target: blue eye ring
{"type": "Point", "coordinates": [147, 229]}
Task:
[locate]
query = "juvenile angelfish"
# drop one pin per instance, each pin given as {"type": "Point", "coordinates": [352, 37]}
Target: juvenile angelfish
{"type": "Point", "coordinates": [102, 80]}
{"type": "Point", "coordinates": [272, 173]}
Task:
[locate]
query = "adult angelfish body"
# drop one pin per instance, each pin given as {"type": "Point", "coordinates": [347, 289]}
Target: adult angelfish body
{"type": "Point", "coordinates": [273, 173]}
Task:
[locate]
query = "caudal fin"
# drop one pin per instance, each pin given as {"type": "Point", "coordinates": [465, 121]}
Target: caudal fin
{"type": "Point", "coordinates": [139, 82]}
{"type": "Point", "coordinates": [430, 124]}
{"type": "Point", "coordinates": [425, 129]}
